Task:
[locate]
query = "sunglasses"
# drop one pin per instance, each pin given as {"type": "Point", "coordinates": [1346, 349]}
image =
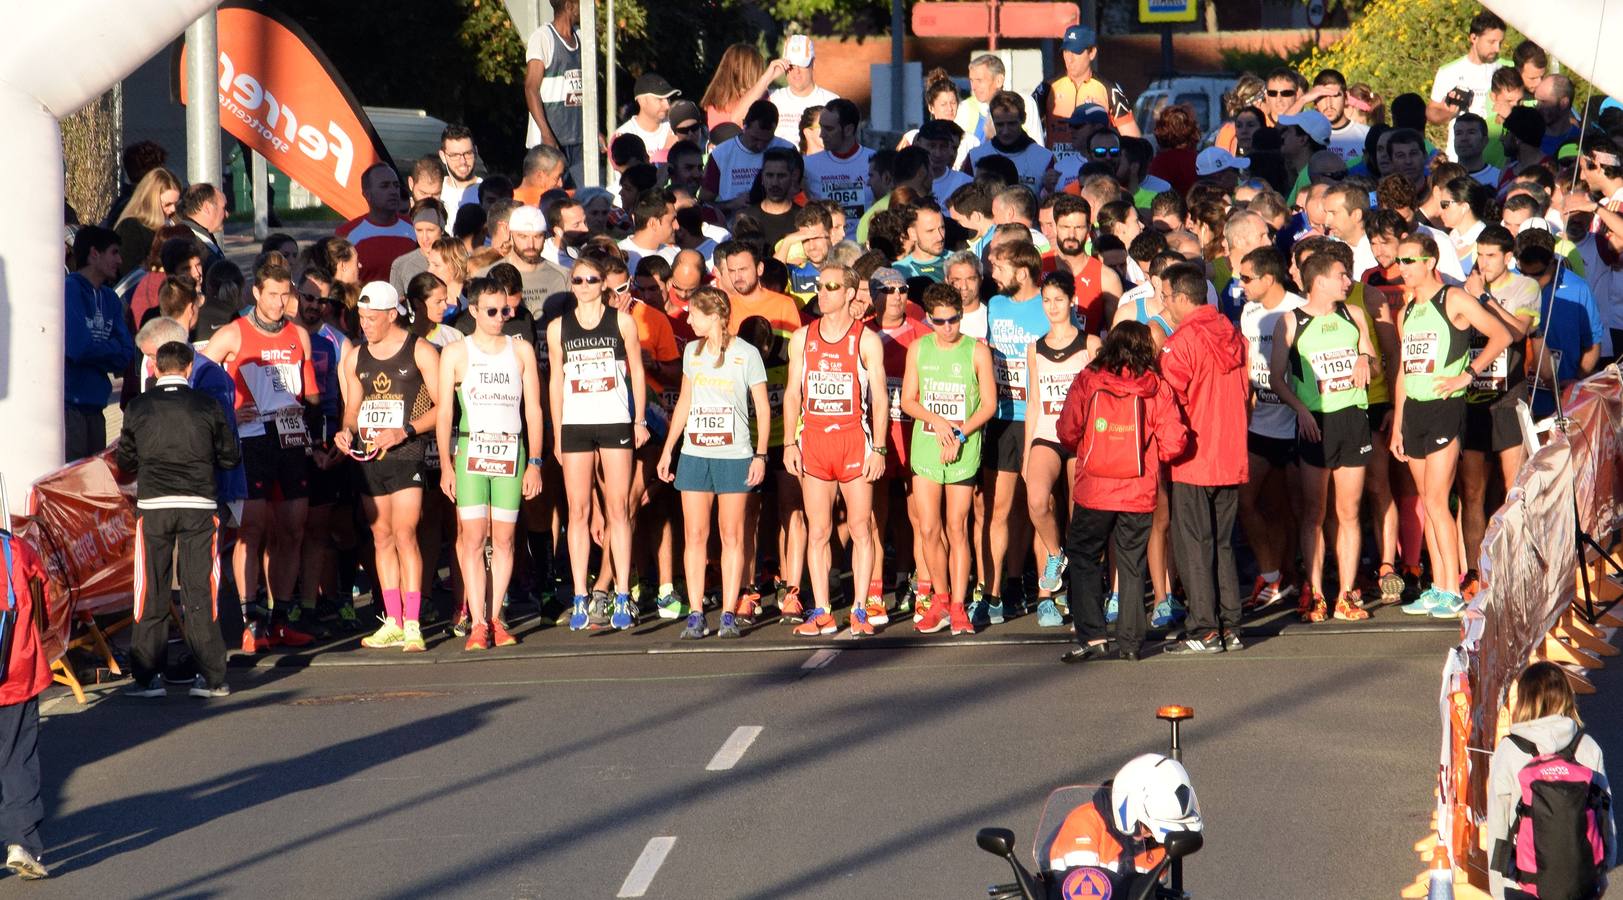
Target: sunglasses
{"type": "Point", "coordinates": [892, 289]}
{"type": "Point", "coordinates": [831, 285]}
{"type": "Point", "coordinates": [1247, 279]}
{"type": "Point", "coordinates": [622, 289]}
{"type": "Point", "coordinates": [506, 312]}
{"type": "Point", "coordinates": [1406, 260]}
{"type": "Point", "coordinates": [1290, 92]}
{"type": "Point", "coordinates": [586, 279]}
{"type": "Point", "coordinates": [1102, 152]}
{"type": "Point", "coordinates": [687, 129]}
{"type": "Point", "coordinates": [949, 320]}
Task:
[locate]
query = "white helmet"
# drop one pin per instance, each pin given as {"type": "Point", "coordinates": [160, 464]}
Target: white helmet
{"type": "Point", "coordinates": [1154, 791]}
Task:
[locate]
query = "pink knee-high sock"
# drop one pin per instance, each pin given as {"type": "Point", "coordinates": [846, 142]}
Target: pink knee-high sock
{"type": "Point", "coordinates": [1411, 530]}
{"type": "Point", "coordinates": [414, 604]}
{"type": "Point", "coordinates": [391, 604]}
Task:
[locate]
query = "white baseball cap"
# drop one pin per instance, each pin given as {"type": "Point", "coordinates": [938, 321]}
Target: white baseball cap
{"type": "Point", "coordinates": [799, 50]}
{"type": "Point", "coordinates": [1213, 160]}
{"type": "Point", "coordinates": [1315, 123]}
{"type": "Point", "coordinates": [528, 220]}
{"type": "Point", "coordinates": [381, 297]}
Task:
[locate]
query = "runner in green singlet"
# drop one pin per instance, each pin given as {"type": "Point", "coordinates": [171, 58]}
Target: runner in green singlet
{"type": "Point", "coordinates": [949, 391]}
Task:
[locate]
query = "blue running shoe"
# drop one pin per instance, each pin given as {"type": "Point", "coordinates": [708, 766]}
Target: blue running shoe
{"type": "Point", "coordinates": [1112, 608]}
{"type": "Point", "coordinates": [1449, 607]}
{"type": "Point", "coordinates": [695, 628]}
{"type": "Point", "coordinates": [994, 611]}
{"type": "Point", "coordinates": [1052, 572]}
{"type": "Point", "coordinates": [729, 626]}
{"type": "Point", "coordinates": [621, 618]}
{"type": "Point", "coordinates": [1423, 605]}
{"type": "Point", "coordinates": [577, 616]}
{"type": "Point", "coordinates": [1168, 613]}
{"type": "Point", "coordinates": [1048, 615]}
{"type": "Point", "coordinates": [978, 614]}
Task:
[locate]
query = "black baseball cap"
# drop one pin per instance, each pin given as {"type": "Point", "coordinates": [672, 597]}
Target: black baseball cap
{"type": "Point", "coordinates": [650, 83]}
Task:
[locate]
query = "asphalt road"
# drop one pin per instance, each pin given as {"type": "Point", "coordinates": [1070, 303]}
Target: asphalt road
{"type": "Point", "coordinates": [548, 775]}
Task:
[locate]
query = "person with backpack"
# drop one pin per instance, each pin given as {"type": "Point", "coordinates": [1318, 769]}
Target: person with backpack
{"type": "Point", "coordinates": [1549, 832]}
{"type": "Point", "coordinates": [1121, 422]}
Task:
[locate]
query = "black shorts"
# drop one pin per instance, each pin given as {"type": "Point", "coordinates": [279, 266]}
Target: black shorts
{"type": "Point", "coordinates": [1493, 427]}
{"type": "Point", "coordinates": [275, 472]}
{"type": "Point", "coordinates": [328, 486]}
{"type": "Point", "coordinates": [1004, 447]}
{"type": "Point", "coordinates": [586, 438]}
{"type": "Point", "coordinates": [1345, 443]}
{"type": "Point", "coordinates": [1431, 425]}
{"type": "Point", "coordinates": [1063, 452]}
{"type": "Point", "coordinates": [382, 477]}
{"type": "Point", "coordinates": [1379, 417]}
{"type": "Point", "coordinates": [1277, 452]}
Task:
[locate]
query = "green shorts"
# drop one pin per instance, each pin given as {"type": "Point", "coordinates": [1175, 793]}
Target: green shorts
{"type": "Point", "coordinates": [501, 494]}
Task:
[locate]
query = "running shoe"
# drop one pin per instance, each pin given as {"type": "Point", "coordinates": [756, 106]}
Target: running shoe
{"type": "Point", "coordinates": [1267, 593]}
{"type": "Point", "coordinates": [977, 613]}
{"type": "Point", "coordinates": [669, 606]}
{"type": "Point", "coordinates": [288, 636]}
{"type": "Point", "coordinates": [463, 624]}
{"type": "Point", "coordinates": [1423, 605]}
{"type": "Point", "coordinates": [729, 626]}
{"type": "Point", "coordinates": [1391, 584]}
{"type": "Point", "coordinates": [922, 606]}
{"type": "Point", "coordinates": [412, 638]}
{"type": "Point", "coordinates": [347, 619]}
{"type": "Point", "coordinates": [1168, 613]}
{"type": "Point", "coordinates": [598, 612]}
{"type": "Point", "coordinates": [1062, 600]}
{"type": "Point", "coordinates": [877, 614]}
{"type": "Point", "coordinates": [905, 597]}
{"type": "Point", "coordinates": [749, 605]}
{"type": "Point", "coordinates": [1449, 607]}
{"type": "Point", "coordinates": [961, 623]}
{"type": "Point", "coordinates": [298, 613]}
{"type": "Point", "coordinates": [1112, 608]}
{"type": "Point", "coordinates": [1053, 569]}
{"type": "Point", "coordinates": [251, 640]}
{"type": "Point", "coordinates": [860, 625]}
{"type": "Point", "coordinates": [579, 617]}
{"type": "Point", "coordinates": [499, 635]}
{"type": "Point", "coordinates": [388, 636]}
{"type": "Point", "coordinates": [818, 622]}
{"type": "Point", "coordinates": [200, 689]}
{"type": "Point", "coordinates": [695, 628]}
{"type": "Point", "coordinates": [1231, 642]}
{"type": "Point", "coordinates": [20, 861]}
{"type": "Point", "coordinates": [148, 691]}
{"type": "Point", "coordinates": [994, 611]}
{"type": "Point", "coordinates": [622, 618]}
{"type": "Point", "coordinates": [1317, 610]}
{"type": "Point", "coordinates": [1348, 610]}
{"type": "Point", "coordinates": [790, 611]}
{"type": "Point", "coordinates": [931, 616]}
{"type": "Point", "coordinates": [1211, 643]}
{"type": "Point", "coordinates": [1048, 615]}
{"type": "Point", "coordinates": [479, 639]}
{"type": "Point", "coordinates": [1470, 586]}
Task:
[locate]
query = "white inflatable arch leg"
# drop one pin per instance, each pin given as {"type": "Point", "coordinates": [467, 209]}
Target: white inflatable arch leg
{"type": "Point", "coordinates": [54, 58]}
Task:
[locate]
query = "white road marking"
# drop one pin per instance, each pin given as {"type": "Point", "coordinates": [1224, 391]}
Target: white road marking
{"type": "Point", "coordinates": [734, 748]}
{"type": "Point", "coordinates": [642, 874]}
{"type": "Point", "coordinates": [820, 659]}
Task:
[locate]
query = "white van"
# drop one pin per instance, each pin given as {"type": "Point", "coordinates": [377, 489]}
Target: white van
{"type": "Point", "coordinates": [1203, 93]}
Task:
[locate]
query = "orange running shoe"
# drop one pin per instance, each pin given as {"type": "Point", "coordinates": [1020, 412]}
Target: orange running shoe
{"type": "Point", "coordinates": [500, 637]}
{"type": "Point", "coordinates": [818, 622]}
{"type": "Point", "coordinates": [1316, 610]}
{"type": "Point", "coordinates": [789, 609]}
{"type": "Point", "coordinates": [1470, 586]}
{"type": "Point", "coordinates": [933, 615]}
{"type": "Point", "coordinates": [860, 625]}
{"type": "Point", "coordinates": [877, 614]}
{"type": "Point", "coordinates": [250, 633]}
{"type": "Point", "coordinates": [288, 636]}
{"type": "Point", "coordinates": [959, 617]}
{"type": "Point", "coordinates": [478, 638]}
{"type": "Point", "coordinates": [1349, 610]}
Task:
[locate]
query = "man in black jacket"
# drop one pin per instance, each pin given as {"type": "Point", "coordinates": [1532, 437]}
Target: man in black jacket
{"type": "Point", "coordinates": [172, 440]}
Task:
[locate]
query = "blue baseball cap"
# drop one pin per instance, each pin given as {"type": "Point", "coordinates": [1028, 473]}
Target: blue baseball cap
{"type": "Point", "coordinates": [1089, 113]}
{"type": "Point", "coordinates": [1079, 38]}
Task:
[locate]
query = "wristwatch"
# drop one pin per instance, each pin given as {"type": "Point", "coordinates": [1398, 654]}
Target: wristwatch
{"type": "Point", "coordinates": [958, 433]}
{"type": "Point", "coordinates": [535, 461]}
{"type": "Point", "coordinates": [410, 430]}
{"type": "Point", "coordinates": [881, 450]}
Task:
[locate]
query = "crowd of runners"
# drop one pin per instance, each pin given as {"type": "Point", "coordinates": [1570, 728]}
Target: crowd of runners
{"type": "Point", "coordinates": [1036, 356]}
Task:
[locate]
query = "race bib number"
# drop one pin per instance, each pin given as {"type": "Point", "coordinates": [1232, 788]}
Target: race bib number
{"type": "Point", "coordinates": [1495, 378]}
{"type": "Point", "coordinates": [495, 455]}
{"type": "Point", "coordinates": [574, 87]}
{"type": "Point", "coordinates": [774, 398]}
{"type": "Point", "coordinates": [831, 393]}
{"type": "Point", "coordinates": [711, 426]}
{"type": "Point", "coordinates": [1010, 375]}
{"type": "Point", "coordinates": [377, 415]}
{"type": "Point", "coordinates": [290, 428]}
{"type": "Point", "coordinates": [592, 371]}
{"type": "Point", "coordinates": [1052, 388]}
{"type": "Point", "coordinates": [1334, 369]}
{"type": "Point", "coordinates": [1260, 380]}
{"type": "Point", "coordinates": [947, 400]}
{"type": "Point", "coordinates": [1419, 352]}
{"type": "Point", "coordinates": [894, 387]}
{"type": "Point", "coordinates": [667, 400]}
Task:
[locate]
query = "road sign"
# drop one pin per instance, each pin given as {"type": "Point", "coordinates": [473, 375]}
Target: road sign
{"type": "Point", "coordinates": [1315, 13]}
{"type": "Point", "coordinates": [1013, 20]}
{"type": "Point", "coordinates": [1153, 11]}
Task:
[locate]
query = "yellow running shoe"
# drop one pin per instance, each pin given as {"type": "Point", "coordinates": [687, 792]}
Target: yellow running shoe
{"type": "Point", "coordinates": [390, 635]}
{"type": "Point", "coordinates": [412, 638]}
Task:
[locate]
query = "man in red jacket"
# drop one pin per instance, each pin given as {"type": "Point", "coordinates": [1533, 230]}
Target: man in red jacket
{"type": "Point", "coordinates": [26, 675]}
{"type": "Point", "coordinates": [1204, 362]}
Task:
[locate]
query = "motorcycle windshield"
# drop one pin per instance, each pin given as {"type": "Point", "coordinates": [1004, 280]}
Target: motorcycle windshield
{"type": "Point", "coordinates": [1059, 804]}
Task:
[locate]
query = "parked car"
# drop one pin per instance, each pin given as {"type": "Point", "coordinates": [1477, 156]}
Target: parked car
{"type": "Point", "coordinates": [1204, 93]}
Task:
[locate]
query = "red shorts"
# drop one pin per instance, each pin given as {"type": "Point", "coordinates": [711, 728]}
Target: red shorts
{"type": "Point", "coordinates": [834, 455]}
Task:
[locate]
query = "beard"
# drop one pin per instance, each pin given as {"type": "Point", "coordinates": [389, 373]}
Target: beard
{"type": "Point", "coordinates": [529, 256]}
{"type": "Point", "coordinates": [1069, 247]}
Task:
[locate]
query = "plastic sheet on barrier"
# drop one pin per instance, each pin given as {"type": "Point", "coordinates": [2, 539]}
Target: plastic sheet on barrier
{"type": "Point", "coordinates": [1528, 565]}
{"type": "Point", "coordinates": [82, 524]}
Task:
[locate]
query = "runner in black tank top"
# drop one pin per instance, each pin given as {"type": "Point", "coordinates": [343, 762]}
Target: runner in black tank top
{"type": "Point", "coordinates": [394, 393]}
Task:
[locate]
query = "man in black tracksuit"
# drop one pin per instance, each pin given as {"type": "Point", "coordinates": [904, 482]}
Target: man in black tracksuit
{"type": "Point", "coordinates": [173, 439]}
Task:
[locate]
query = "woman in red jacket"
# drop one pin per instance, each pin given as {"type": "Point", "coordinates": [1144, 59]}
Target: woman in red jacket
{"type": "Point", "coordinates": [1121, 422]}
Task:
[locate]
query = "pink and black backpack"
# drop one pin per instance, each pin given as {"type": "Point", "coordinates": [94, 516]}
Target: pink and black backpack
{"type": "Point", "coordinates": [1556, 846]}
